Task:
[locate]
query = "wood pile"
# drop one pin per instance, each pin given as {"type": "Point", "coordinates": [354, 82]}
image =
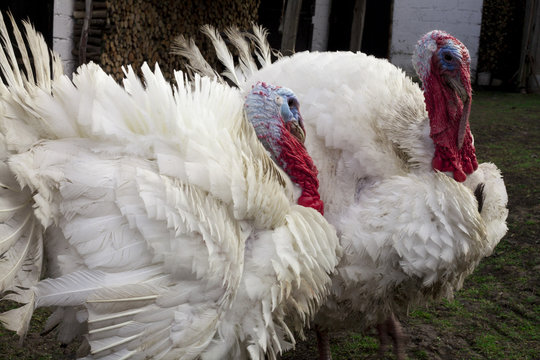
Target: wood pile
{"type": "Point", "coordinates": [126, 32]}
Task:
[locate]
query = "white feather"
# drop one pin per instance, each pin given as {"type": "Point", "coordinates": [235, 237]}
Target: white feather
{"type": "Point", "coordinates": [223, 54]}
{"type": "Point", "coordinates": [196, 62]}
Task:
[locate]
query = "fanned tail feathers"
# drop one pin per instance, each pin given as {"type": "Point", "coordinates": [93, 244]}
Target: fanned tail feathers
{"type": "Point", "coordinates": [46, 67]}
{"type": "Point", "coordinates": [247, 46]}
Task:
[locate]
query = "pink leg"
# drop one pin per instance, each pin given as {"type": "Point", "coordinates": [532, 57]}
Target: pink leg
{"type": "Point", "coordinates": [397, 335]}
{"type": "Point", "coordinates": [323, 343]}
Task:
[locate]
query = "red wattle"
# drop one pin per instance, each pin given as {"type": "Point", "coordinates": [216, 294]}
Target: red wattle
{"type": "Point", "coordinates": [445, 110]}
{"type": "Point", "coordinates": [297, 163]}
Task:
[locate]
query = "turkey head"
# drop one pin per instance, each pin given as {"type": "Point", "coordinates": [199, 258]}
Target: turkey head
{"type": "Point", "coordinates": [443, 64]}
{"type": "Point", "coordinates": [274, 113]}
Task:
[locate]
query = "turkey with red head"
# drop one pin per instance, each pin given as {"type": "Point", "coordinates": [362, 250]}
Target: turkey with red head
{"type": "Point", "coordinates": [398, 174]}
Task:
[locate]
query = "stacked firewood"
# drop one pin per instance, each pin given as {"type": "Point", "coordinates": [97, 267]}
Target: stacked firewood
{"type": "Point", "coordinates": [126, 32]}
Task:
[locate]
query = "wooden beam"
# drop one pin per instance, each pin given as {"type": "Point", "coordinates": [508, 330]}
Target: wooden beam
{"type": "Point", "coordinates": [529, 46]}
{"type": "Point", "coordinates": [357, 27]}
{"type": "Point", "coordinates": [84, 33]}
{"type": "Point", "coordinates": [290, 27]}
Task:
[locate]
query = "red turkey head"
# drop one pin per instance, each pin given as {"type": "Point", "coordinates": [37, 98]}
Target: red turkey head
{"type": "Point", "coordinates": [443, 64]}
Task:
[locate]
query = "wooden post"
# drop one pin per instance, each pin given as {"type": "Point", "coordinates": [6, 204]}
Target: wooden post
{"type": "Point", "coordinates": [290, 27]}
{"type": "Point", "coordinates": [84, 32]}
{"type": "Point", "coordinates": [357, 27]}
{"type": "Point", "coordinates": [530, 45]}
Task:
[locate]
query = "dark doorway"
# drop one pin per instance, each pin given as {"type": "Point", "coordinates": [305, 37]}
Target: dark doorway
{"type": "Point", "coordinates": [39, 12]}
{"type": "Point", "coordinates": [271, 13]}
{"type": "Point", "coordinates": [377, 26]}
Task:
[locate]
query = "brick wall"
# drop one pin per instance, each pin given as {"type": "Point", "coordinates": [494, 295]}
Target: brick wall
{"type": "Point", "coordinates": [413, 18]}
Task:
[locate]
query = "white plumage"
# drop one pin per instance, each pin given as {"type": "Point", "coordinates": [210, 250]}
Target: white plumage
{"type": "Point", "coordinates": [168, 230]}
{"type": "Point", "coordinates": [409, 233]}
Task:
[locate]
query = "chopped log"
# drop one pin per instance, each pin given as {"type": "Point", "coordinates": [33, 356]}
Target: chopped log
{"type": "Point", "coordinates": [96, 5]}
{"type": "Point", "coordinates": [96, 14]}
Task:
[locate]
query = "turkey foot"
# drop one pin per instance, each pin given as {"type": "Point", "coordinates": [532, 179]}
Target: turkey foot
{"type": "Point", "coordinates": [391, 328]}
{"type": "Point", "coordinates": [323, 343]}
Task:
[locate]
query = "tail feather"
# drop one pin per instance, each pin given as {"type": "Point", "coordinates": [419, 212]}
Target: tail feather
{"type": "Point", "coordinates": [197, 63]}
{"type": "Point", "coordinates": [46, 67]}
{"type": "Point", "coordinates": [246, 64]}
{"type": "Point", "coordinates": [8, 61]}
{"type": "Point", "coordinates": [263, 51]}
{"type": "Point", "coordinates": [223, 54]}
{"type": "Point", "coordinates": [22, 49]}
{"type": "Point", "coordinates": [250, 46]}
{"type": "Point", "coordinates": [40, 53]}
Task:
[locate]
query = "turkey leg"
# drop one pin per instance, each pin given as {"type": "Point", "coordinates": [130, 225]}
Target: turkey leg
{"type": "Point", "coordinates": [391, 328]}
{"type": "Point", "coordinates": [323, 343]}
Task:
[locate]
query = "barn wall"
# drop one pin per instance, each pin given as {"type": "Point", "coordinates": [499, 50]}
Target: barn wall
{"type": "Point", "coordinates": [413, 18]}
{"type": "Point", "coordinates": [63, 41]}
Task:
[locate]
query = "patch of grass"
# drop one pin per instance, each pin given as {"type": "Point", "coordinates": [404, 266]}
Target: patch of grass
{"type": "Point", "coordinates": [355, 343]}
{"type": "Point", "coordinates": [452, 305]}
{"type": "Point", "coordinates": [489, 346]}
{"type": "Point", "coordinates": [365, 343]}
{"type": "Point", "coordinates": [420, 355]}
{"type": "Point", "coordinates": [421, 314]}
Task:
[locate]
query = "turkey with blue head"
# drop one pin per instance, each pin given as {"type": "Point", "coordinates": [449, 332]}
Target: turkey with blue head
{"type": "Point", "coordinates": [274, 112]}
{"type": "Point", "coordinates": [168, 229]}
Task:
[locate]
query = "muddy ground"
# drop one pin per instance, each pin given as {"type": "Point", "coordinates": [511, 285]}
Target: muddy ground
{"type": "Point", "coordinates": [497, 313]}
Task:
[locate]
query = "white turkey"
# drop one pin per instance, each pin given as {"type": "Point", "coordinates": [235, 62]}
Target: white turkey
{"type": "Point", "coordinates": [414, 211]}
{"type": "Point", "coordinates": [168, 230]}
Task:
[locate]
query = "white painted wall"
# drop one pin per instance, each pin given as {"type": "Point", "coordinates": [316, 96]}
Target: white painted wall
{"type": "Point", "coordinates": [414, 18]}
{"type": "Point", "coordinates": [63, 41]}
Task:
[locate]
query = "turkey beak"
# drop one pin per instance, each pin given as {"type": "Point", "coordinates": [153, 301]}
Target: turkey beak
{"type": "Point", "coordinates": [297, 131]}
{"type": "Point", "coordinates": [465, 97]}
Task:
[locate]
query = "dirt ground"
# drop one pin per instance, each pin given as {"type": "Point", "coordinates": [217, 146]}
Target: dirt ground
{"type": "Point", "coordinates": [497, 313]}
